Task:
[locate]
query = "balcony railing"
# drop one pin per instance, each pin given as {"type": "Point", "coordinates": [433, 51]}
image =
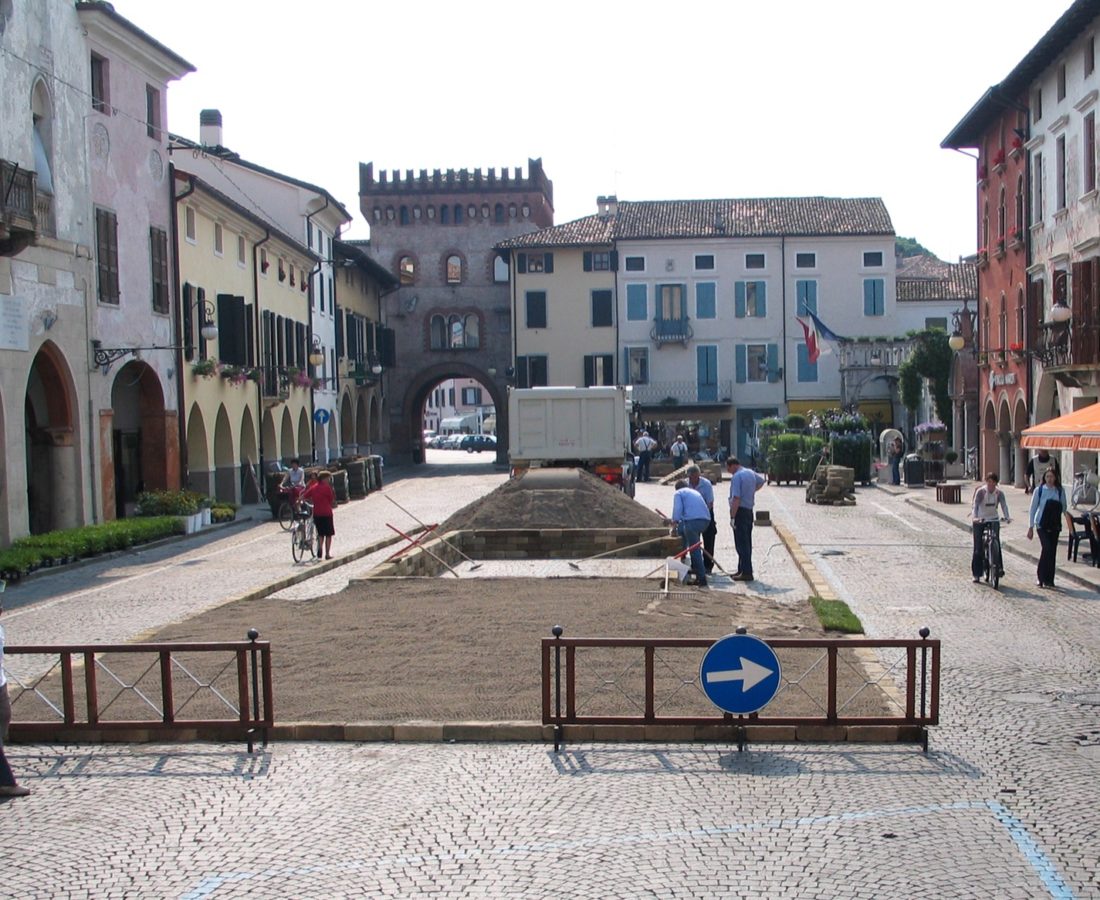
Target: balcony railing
{"type": "Point", "coordinates": [43, 213]}
{"type": "Point", "coordinates": [683, 393]}
{"type": "Point", "coordinates": [1053, 347]}
{"type": "Point", "coordinates": [668, 331]}
{"type": "Point", "coordinates": [18, 225]}
{"type": "Point", "coordinates": [873, 354]}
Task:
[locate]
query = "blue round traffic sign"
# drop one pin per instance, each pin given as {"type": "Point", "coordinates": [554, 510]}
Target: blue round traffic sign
{"type": "Point", "coordinates": [321, 416]}
{"type": "Point", "coordinates": [740, 674]}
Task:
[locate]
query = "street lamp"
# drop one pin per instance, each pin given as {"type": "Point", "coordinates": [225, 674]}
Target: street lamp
{"type": "Point", "coordinates": [962, 321]}
{"type": "Point", "coordinates": [1060, 311]}
{"type": "Point", "coordinates": [316, 354]}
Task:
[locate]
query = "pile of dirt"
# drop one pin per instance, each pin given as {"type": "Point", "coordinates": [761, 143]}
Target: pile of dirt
{"type": "Point", "coordinates": [553, 498]}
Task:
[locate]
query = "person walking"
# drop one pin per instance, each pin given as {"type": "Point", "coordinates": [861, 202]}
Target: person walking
{"type": "Point", "coordinates": [8, 785]}
{"type": "Point", "coordinates": [984, 514]}
{"type": "Point", "coordinates": [323, 498]}
{"type": "Point", "coordinates": [679, 451]}
{"type": "Point", "coordinates": [744, 483]}
{"type": "Point", "coordinates": [689, 519]}
{"type": "Point", "coordinates": [645, 446]}
{"type": "Point", "coordinates": [1036, 466]}
{"type": "Point", "coordinates": [697, 482]}
{"type": "Point", "coordinates": [1048, 505]}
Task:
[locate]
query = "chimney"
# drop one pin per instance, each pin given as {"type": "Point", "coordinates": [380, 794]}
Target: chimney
{"type": "Point", "coordinates": [210, 128]}
{"type": "Point", "coordinates": [607, 207]}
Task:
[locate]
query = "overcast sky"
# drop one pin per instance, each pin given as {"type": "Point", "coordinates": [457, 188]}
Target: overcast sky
{"type": "Point", "coordinates": [652, 101]}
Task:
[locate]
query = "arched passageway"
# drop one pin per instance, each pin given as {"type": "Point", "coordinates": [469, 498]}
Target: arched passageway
{"type": "Point", "coordinates": [54, 495]}
{"type": "Point", "coordinates": [199, 475]}
{"type": "Point", "coordinates": [139, 438]}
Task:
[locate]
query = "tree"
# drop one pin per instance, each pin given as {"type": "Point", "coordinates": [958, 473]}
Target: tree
{"type": "Point", "coordinates": [931, 360]}
{"type": "Point", "coordinates": [911, 247]}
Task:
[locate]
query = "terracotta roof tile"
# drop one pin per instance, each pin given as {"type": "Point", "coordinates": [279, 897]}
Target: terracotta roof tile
{"type": "Point", "coordinates": [752, 217]}
{"type": "Point", "coordinates": [928, 278]}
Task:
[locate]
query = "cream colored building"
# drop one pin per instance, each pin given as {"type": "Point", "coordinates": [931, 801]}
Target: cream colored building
{"type": "Point", "coordinates": [244, 324]}
{"type": "Point", "coordinates": [364, 349]}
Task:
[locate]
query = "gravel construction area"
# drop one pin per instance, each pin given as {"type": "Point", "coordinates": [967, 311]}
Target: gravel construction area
{"type": "Point", "coordinates": [444, 650]}
{"type": "Point", "coordinates": [553, 498]}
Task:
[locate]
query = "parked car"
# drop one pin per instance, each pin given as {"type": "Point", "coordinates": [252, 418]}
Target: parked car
{"type": "Point", "coordinates": [451, 441]}
{"type": "Point", "coordinates": [436, 442]}
{"type": "Point", "coordinates": [475, 443]}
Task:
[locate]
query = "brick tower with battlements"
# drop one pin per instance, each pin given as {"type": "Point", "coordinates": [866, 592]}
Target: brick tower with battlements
{"type": "Point", "coordinates": [451, 314]}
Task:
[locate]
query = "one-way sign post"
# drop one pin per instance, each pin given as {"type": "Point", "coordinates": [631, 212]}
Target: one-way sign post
{"type": "Point", "coordinates": [740, 674]}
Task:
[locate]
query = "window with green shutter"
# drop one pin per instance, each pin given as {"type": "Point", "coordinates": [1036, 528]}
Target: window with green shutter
{"type": "Point", "coordinates": [874, 297]}
{"type": "Point", "coordinates": [602, 315]}
{"type": "Point", "coordinates": [705, 304]}
{"type": "Point", "coordinates": [637, 303]}
{"type": "Point", "coordinates": [807, 371]}
{"type": "Point", "coordinates": [535, 302]}
{"type": "Point", "coordinates": [806, 297]}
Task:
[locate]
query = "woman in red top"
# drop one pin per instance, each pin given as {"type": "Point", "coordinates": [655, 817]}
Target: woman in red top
{"type": "Point", "coordinates": [323, 498]}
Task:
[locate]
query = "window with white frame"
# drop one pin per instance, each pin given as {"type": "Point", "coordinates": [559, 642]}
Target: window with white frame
{"type": "Point", "coordinates": [805, 260]}
{"type": "Point", "coordinates": [218, 239]}
{"type": "Point", "coordinates": [872, 259]}
{"type": "Point", "coordinates": [189, 224]}
{"type": "Point", "coordinates": [637, 364]}
{"type": "Point", "coordinates": [755, 261]}
{"type": "Point", "coordinates": [635, 263]}
{"type": "Point", "coordinates": [704, 262]}
{"type": "Point", "coordinates": [756, 363]}
{"type": "Point", "coordinates": [750, 299]}
{"type": "Point", "coordinates": [241, 250]}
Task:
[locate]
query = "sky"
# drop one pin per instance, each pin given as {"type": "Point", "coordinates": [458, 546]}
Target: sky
{"type": "Point", "coordinates": [648, 101]}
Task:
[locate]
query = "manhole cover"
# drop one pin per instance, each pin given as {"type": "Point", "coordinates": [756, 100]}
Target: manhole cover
{"type": "Point", "coordinates": [1028, 697]}
{"type": "Point", "coordinates": [1091, 751]}
{"type": "Point", "coordinates": [1086, 698]}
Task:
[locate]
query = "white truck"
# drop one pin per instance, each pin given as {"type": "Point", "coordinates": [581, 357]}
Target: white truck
{"type": "Point", "coordinates": [585, 428]}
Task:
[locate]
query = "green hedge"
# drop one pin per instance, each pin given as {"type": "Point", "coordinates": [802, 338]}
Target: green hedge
{"type": "Point", "coordinates": [171, 503]}
{"type": "Point", "coordinates": [793, 457]}
{"type": "Point", "coordinates": [54, 547]}
{"type": "Point", "coordinates": [854, 452]}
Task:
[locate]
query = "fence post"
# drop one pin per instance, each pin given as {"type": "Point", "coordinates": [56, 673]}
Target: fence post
{"type": "Point", "coordinates": [924, 632]}
{"type": "Point", "coordinates": [559, 731]}
{"type": "Point", "coordinates": [252, 635]}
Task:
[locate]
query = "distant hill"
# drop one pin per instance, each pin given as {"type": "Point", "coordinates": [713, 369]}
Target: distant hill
{"type": "Point", "coordinates": [904, 247]}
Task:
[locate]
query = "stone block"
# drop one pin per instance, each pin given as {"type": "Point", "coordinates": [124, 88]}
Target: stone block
{"type": "Point", "coordinates": [674, 733]}
{"type": "Point", "coordinates": [772, 734]}
{"type": "Point", "coordinates": [317, 731]}
{"type": "Point", "coordinates": [368, 731]}
{"type": "Point", "coordinates": [494, 731]}
{"type": "Point", "coordinates": [418, 731]}
{"type": "Point", "coordinates": [619, 733]}
{"type": "Point", "coordinates": [873, 734]}
{"type": "Point", "coordinates": [820, 734]}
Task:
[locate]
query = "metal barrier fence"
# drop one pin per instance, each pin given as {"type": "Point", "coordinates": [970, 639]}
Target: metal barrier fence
{"type": "Point", "coordinates": [221, 689]}
{"type": "Point", "coordinates": [825, 683]}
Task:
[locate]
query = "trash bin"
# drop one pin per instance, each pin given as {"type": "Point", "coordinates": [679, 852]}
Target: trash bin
{"type": "Point", "coordinates": [914, 471]}
{"type": "Point", "coordinates": [376, 466]}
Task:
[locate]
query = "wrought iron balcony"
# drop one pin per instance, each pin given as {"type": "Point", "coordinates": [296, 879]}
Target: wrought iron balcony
{"type": "Point", "coordinates": [670, 331]}
{"type": "Point", "coordinates": [683, 393]}
{"type": "Point", "coordinates": [1053, 347]}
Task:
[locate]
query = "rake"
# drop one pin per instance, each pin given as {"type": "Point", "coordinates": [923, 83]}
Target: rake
{"type": "Point", "coordinates": [575, 565]}
{"type": "Point", "coordinates": [664, 593]}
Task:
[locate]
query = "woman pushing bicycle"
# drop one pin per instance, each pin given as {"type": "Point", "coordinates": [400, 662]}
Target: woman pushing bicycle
{"type": "Point", "coordinates": [985, 514]}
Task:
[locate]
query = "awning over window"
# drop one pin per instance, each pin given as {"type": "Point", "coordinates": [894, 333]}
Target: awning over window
{"type": "Point", "coordinates": [1074, 431]}
{"type": "Point", "coordinates": [457, 423]}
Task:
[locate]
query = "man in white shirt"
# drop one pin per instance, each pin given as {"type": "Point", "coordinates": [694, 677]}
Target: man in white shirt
{"type": "Point", "coordinates": [645, 445]}
{"type": "Point", "coordinates": [679, 451]}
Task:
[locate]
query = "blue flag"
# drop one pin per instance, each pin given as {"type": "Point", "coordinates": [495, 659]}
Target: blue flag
{"type": "Point", "coordinates": [822, 329]}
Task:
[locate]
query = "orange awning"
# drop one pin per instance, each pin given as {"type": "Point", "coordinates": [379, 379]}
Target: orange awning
{"type": "Point", "coordinates": [1074, 431]}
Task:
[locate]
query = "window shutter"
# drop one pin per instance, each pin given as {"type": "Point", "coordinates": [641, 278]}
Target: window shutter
{"type": "Point", "coordinates": [200, 307]}
{"type": "Point", "coordinates": [741, 363]}
{"type": "Point", "coordinates": [589, 371]}
{"type": "Point", "coordinates": [521, 372]}
{"type": "Point", "coordinates": [227, 331]}
{"type": "Point", "coordinates": [300, 343]}
{"type": "Point", "coordinates": [739, 300]}
{"type": "Point", "coordinates": [521, 263]}
{"type": "Point", "coordinates": [588, 260]}
{"type": "Point", "coordinates": [868, 298]}
{"type": "Point", "coordinates": [188, 322]}
{"type": "Point", "coordinates": [773, 363]}
{"type": "Point", "coordinates": [548, 263]}
{"type": "Point", "coordinates": [762, 298]}
{"type": "Point", "coordinates": [339, 333]}
{"type": "Point", "coordinates": [249, 335]}
{"type": "Point", "coordinates": [387, 347]}
{"type": "Point", "coordinates": [614, 260]}
{"type": "Point", "coordinates": [608, 361]}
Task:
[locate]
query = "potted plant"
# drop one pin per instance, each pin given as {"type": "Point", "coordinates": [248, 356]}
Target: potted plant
{"type": "Point", "coordinates": [1017, 351]}
{"type": "Point", "coordinates": [205, 368]}
{"type": "Point", "coordinates": [999, 157]}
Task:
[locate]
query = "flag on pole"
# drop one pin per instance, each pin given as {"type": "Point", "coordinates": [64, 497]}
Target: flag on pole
{"type": "Point", "coordinates": [813, 347]}
{"type": "Point", "coordinates": [823, 330]}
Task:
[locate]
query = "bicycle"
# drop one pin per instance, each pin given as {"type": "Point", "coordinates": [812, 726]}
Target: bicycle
{"type": "Point", "coordinates": [993, 562]}
{"type": "Point", "coordinates": [1085, 493]}
{"type": "Point", "coordinates": [303, 537]}
{"type": "Point", "coordinates": [285, 511]}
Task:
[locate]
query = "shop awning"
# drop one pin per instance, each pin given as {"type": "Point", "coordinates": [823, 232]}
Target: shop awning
{"type": "Point", "coordinates": [1074, 431]}
{"type": "Point", "coordinates": [456, 423]}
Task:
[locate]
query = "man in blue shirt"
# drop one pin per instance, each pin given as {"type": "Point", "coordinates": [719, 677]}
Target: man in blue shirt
{"type": "Point", "coordinates": [690, 517]}
{"type": "Point", "coordinates": [697, 482]}
{"type": "Point", "coordinates": [744, 483]}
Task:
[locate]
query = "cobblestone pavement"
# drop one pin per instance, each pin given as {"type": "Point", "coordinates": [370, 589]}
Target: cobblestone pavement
{"type": "Point", "coordinates": [1004, 806]}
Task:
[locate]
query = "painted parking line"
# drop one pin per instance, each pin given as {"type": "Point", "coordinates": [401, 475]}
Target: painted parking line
{"type": "Point", "coordinates": [1039, 862]}
{"type": "Point", "coordinates": [890, 512]}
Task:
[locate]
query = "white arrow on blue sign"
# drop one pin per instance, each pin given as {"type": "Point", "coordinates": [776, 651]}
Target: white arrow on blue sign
{"type": "Point", "coordinates": [740, 674]}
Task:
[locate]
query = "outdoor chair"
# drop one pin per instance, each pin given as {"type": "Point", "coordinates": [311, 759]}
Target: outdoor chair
{"type": "Point", "coordinates": [1074, 538]}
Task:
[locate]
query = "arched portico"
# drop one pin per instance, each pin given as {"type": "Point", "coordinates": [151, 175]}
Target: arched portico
{"type": "Point", "coordinates": [225, 468]}
{"type": "Point", "coordinates": [287, 450]}
{"type": "Point", "coordinates": [54, 496]}
{"type": "Point", "coordinates": [1019, 423]}
{"type": "Point", "coordinates": [249, 456]}
{"type": "Point", "coordinates": [305, 450]}
{"type": "Point", "coordinates": [347, 425]}
{"type": "Point", "coordinates": [406, 428]}
{"type": "Point", "coordinates": [200, 476]}
{"type": "Point", "coordinates": [142, 446]}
